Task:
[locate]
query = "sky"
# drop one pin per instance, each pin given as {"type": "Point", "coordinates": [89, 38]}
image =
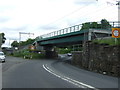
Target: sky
{"type": "Point", "coordinates": [45, 16]}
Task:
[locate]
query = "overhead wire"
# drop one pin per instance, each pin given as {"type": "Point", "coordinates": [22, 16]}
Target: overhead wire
{"type": "Point", "coordinates": [101, 13]}
{"type": "Point", "coordinates": [83, 14]}
{"type": "Point", "coordinates": [93, 13]}
{"type": "Point", "coordinates": [94, 16]}
{"type": "Point", "coordinates": [69, 14]}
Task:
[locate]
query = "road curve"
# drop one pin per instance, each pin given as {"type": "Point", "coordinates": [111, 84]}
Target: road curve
{"type": "Point", "coordinates": [19, 73]}
{"type": "Point", "coordinates": [30, 74]}
{"type": "Point", "coordinates": [91, 79]}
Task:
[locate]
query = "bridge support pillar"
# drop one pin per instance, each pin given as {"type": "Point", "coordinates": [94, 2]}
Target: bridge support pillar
{"type": "Point", "coordinates": [50, 52]}
{"type": "Point", "coordinates": [90, 35]}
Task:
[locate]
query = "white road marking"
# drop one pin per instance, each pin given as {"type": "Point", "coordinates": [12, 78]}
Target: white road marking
{"type": "Point", "coordinates": [75, 82]}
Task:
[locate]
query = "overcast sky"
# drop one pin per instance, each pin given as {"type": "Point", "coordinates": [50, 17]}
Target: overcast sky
{"type": "Point", "coordinates": [44, 16]}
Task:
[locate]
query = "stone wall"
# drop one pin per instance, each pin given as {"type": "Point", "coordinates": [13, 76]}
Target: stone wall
{"type": "Point", "coordinates": [99, 58]}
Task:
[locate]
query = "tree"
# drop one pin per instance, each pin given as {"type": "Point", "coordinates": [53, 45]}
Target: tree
{"type": "Point", "coordinates": [85, 25]}
{"type": "Point", "coordinates": [94, 25]}
{"type": "Point", "coordinates": [105, 24]}
{"type": "Point", "coordinates": [89, 25]}
{"type": "Point", "coordinates": [15, 44]}
{"type": "Point", "coordinates": [29, 41]}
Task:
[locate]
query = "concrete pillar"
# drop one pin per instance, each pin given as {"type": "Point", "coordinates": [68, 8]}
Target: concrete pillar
{"type": "Point", "coordinates": [90, 35]}
{"type": "Point", "coordinates": [50, 52]}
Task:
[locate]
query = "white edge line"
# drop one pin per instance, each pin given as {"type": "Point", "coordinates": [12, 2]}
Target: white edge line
{"type": "Point", "coordinates": [75, 82]}
{"type": "Point", "coordinates": [46, 68]}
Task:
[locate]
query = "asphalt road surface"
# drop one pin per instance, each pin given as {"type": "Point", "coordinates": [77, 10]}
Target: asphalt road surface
{"type": "Point", "coordinates": [23, 73]}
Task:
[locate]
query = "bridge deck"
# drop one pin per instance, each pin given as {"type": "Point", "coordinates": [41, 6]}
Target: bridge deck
{"type": "Point", "coordinates": [73, 37]}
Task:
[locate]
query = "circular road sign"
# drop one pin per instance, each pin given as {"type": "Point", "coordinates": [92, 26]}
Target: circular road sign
{"type": "Point", "coordinates": [116, 32]}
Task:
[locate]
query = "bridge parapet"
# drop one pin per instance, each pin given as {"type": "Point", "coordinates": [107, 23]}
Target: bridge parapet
{"type": "Point", "coordinates": [74, 28]}
{"type": "Point", "coordinates": [63, 31]}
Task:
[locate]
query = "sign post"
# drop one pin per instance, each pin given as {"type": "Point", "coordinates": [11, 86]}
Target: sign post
{"type": "Point", "coordinates": [116, 34]}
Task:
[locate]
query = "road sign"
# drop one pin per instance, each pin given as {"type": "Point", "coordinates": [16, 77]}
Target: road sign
{"type": "Point", "coordinates": [116, 32]}
{"type": "Point", "coordinates": [32, 47]}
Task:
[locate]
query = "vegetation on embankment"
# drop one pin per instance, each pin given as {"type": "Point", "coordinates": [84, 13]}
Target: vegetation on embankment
{"type": "Point", "coordinates": [104, 24]}
{"type": "Point", "coordinates": [109, 41]}
{"type": "Point", "coordinates": [64, 50]}
{"type": "Point", "coordinates": [22, 43]}
{"type": "Point", "coordinates": [27, 54]}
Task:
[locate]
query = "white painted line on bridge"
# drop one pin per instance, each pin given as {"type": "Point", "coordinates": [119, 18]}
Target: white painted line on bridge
{"type": "Point", "coordinates": [75, 82]}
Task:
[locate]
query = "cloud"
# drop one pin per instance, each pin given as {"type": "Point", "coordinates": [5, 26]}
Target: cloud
{"type": "Point", "coordinates": [4, 19]}
{"type": "Point", "coordinates": [45, 16]}
{"type": "Point", "coordinates": [85, 2]}
{"type": "Point", "coordinates": [14, 29]}
{"type": "Point", "coordinates": [48, 27]}
{"type": "Point", "coordinates": [4, 8]}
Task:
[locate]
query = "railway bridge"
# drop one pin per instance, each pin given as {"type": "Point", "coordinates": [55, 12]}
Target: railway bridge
{"type": "Point", "coordinates": [69, 36]}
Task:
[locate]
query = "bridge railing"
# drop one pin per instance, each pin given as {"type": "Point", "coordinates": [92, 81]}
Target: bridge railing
{"type": "Point", "coordinates": [73, 29]}
{"type": "Point", "coordinates": [115, 23]}
{"type": "Point", "coordinates": [63, 31]}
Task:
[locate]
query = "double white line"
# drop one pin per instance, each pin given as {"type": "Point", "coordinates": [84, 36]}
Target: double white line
{"type": "Point", "coordinates": [75, 82]}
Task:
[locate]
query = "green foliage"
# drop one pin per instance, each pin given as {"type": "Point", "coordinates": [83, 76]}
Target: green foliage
{"type": "Point", "coordinates": [64, 50]}
{"type": "Point", "coordinates": [15, 44]}
{"type": "Point", "coordinates": [37, 56]}
{"type": "Point", "coordinates": [22, 43]}
{"type": "Point", "coordinates": [28, 54]}
{"type": "Point", "coordinates": [77, 49]}
{"type": "Point", "coordinates": [110, 41]}
{"type": "Point", "coordinates": [18, 54]}
{"type": "Point", "coordinates": [85, 26]}
{"type": "Point", "coordinates": [29, 41]}
{"type": "Point", "coordinates": [105, 24]}
{"type": "Point", "coordinates": [94, 25]}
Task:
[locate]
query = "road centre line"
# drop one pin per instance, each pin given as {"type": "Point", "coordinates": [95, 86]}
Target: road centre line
{"type": "Point", "coordinates": [75, 82]}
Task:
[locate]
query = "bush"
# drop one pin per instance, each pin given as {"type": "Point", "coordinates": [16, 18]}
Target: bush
{"type": "Point", "coordinates": [109, 41]}
{"type": "Point", "coordinates": [17, 54]}
{"type": "Point", "coordinates": [64, 51]}
{"type": "Point", "coordinates": [28, 55]}
{"type": "Point", "coordinates": [37, 56]}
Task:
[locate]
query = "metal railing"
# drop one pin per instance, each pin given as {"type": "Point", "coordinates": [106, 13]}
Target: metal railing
{"type": "Point", "coordinates": [73, 29]}
{"type": "Point", "coordinates": [62, 31]}
{"type": "Point", "coordinates": [115, 23]}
